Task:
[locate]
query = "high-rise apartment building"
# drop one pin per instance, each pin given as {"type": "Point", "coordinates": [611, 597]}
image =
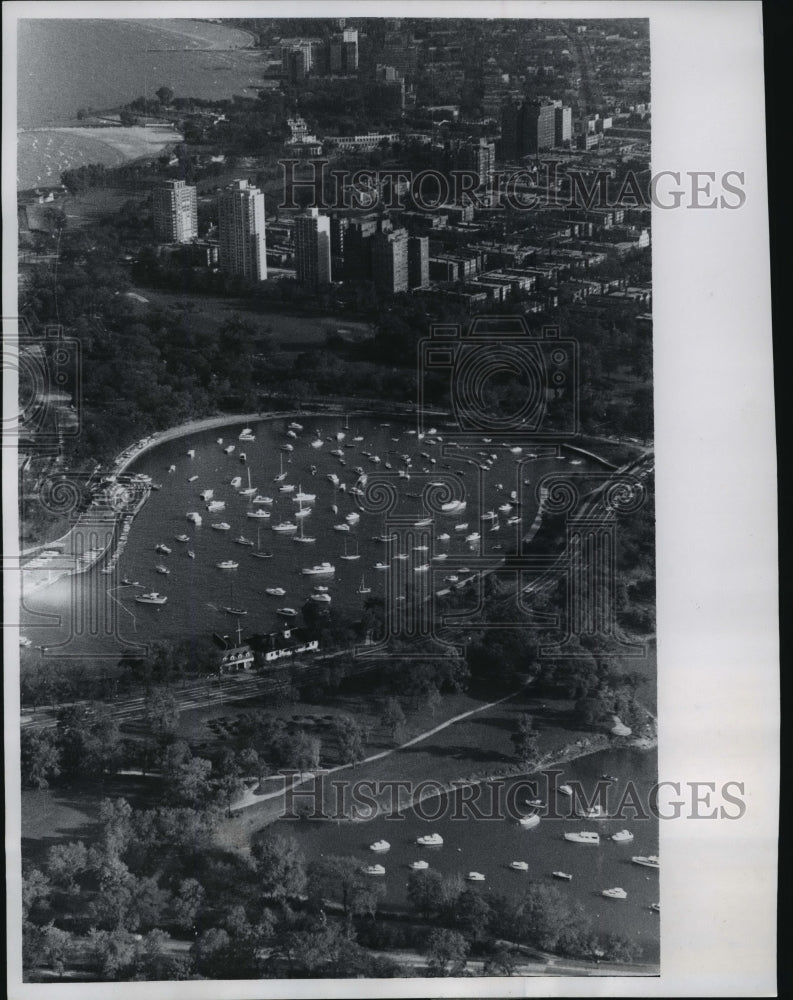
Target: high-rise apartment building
{"type": "Point", "coordinates": [563, 125]}
{"type": "Point", "coordinates": [241, 232]}
{"type": "Point", "coordinates": [529, 127]}
{"type": "Point", "coordinates": [418, 261]}
{"type": "Point", "coordinates": [390, 261]}
{"type": "Point", "coordinates": [175, 211]}
{"type": "Point", "coordinates": [344, 52]}
{"type": "Point", "coordinates": [312, 247]}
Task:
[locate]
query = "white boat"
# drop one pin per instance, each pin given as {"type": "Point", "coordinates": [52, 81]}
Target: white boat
{"type": "Point", "coordinates": [287, 447]}
{"type": "Point", "coordinates": [242, 540]}
{"type": "Point", "coordinates": [229, 449]}
{"type": "Point", "coordinates": [227, 564]}
{"type": "Point", "coordinates": [190, 554]}
{"type": "Point", "coordinates": [163, 549]}
{"type": "Point", "coordinates": [281, 475]}
{"type": "Point", "coordinates": [302, 497]}
{"type": "Point", "coordinates": [527, 822]}
{"type": "Point", "coordinates": [363, 589]}
{"type": "Point", "coordinates": [321, 598]}
{"type": "Point", "coordinates": [454, 506]}
{"type": "Point", "coordinates": [473, 537]}
{"type": "Point", "coordinates": [322, 569]}
{"type": "Point", "coordinates": [381, 566]}
{"type": "Point", "coordinates": [163, 570]}
{"type": "Point", "coordinates": [215, 505]}
{"type": "Point", "coordinates": [444, 537]}
{"type": "Point", "coordinates": [317, 442]}
{"type": "Point", "coordinates": [152, 598]}
{"type": "Point", "coordinates": [182, 538]}
{"type": "Point", "coordinates": [563, 875]}
{"type": "Point", "coordinates": [453, 578]}
{"type": "Point", "coordinates": [235, 482]}
{"type": "Point", "coordinates": [461, 527]}
{"type": "Point", "coordinates": [294, 426]}
{"type": "Point", "coordinates": [423, 523]}
{"type": "Point", "coordinates": [222, 526]}
{"type": "Point", "coordinates": [430, 840]}
{"type": "Point", "coordinates": [489, 516]}
{"type": "Point", "coordinates": [284, 527]}
{"type": "Point", "coordinates": [262, 499]}
{"type": "Point", "coordinates": [622, 836]}
{"type": "Point", "coordinates": [376, 870]}
{"type": "Point", "coordinates": [379, 846]}
{"type": "Point", "coordinates": [275, 591]}
{"type": "Point", "coordinates": [349, 556]}
{"type": "Point", "coordinates": [194, 517]}
{"type": "Point", "coordinates": [286, 488]}
{"type": "Point", "coordinates": [191, 453]}
{"type": "Point", "coordinates": [655, 907]}
{"type": "Point", "coordinates": [651, 861]}
{"type": "Point", "coordinates": [287, 612]}
{"type": "Point", "coordinates": [505, 508]}
{"type": "Point", "coordinates": [422, 568]}
{"type": "Point", "coordinates": [565, 789]}
{"type": "Point", "coordinates": [220, 440]}
{"type": "Point", "coordinates": [259, 515]}
{"type": "Point", "coordinates": [594, 813]}
{"type": "Point", "coordinates": [246, 434]}
{"type": "Point", "coordinates": [206, 494]}
{"type": "Point", "coordinates": [352, 518]}
{"type": "Point", "coordinates": [614, 893]}
{"type": "Point", "coordinates": [334, 478]}
{"type": "Point", "coordinates": [475, 877]}
{"type": "Point", "coordinates": [513, 520]}
{"type": "Point", "coordinates": [519, 866]}
{"type": "Point", "coordinates": [192, 479]}
{"type": "Point", "coordinates": [583, 837]}
{"type": "Point", "coordinates": [419, 866]}
{"type": "Point", "coordinates": [341, 527]}
{"type": "Point", "coordinates": [243, 457]}
{"type": "Point", "coordinates": [302, 512]}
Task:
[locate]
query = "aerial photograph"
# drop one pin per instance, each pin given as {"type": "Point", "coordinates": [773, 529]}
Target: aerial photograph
{"type": "Point", "coordinates": [335, 457]}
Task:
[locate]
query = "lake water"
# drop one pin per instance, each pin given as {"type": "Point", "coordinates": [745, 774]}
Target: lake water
{"type": "Point", "coordinates": [198, 591]}
{"type": "Point", "coordinates": [489, 845]}
{"type": "Point", "coordinates": [64, 65]}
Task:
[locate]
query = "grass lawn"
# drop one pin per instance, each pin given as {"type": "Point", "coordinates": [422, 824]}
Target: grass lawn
{"type": "Point", "coordinates": [62, 814]}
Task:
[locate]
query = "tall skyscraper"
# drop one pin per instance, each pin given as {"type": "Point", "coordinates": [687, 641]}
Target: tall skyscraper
{"type": "Point", "coordinates": [312, 247]}
{"type": "Point", "coordinates": [243, 247]}
{"type": "Point", "coordinates": [390, 261]}
{"type": "Point", "coordinates": [175, 211]}
{"type": "Point", "coordinates": [563, 124]}
{"type": "Point", "coordinates": [344, 51]}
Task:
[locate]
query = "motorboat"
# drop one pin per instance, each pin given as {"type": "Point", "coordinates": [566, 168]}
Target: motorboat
{"type": "Point", "coordinates": [247, 435]}
{"type": "Point", "coordinates": [206, 495]}
{"type": "Point", "coordinates": [614, 893]}
{"type": "Point", "coordinates": [322, 569]}
{"type": "Point", "coordinates": [519, 866]}
{"type": "Point", "coordinates": [419, 866]}
{"type": "Point", "coordinates": [286, 446]}
{"type": "Point", "coordinates": [423, 523]}
{"type": "Point", "coordinates": [422, 568]}
{"type": "Point", "coordinates": [243, 457]}
{"type": "Point", "coordinates": [286, 488]}
{"type": "Point", "coordinates": [441, 556]}
{"type": "Point", "coordinates": [229, 449]}
{"type": "Point", "coordinates": [321, 598]}
{"type": "Point", "coordinates": [258, 515]}
{"type": "Point", "coordinates": [191, 453]}
{"type": "Point", "coordinates": [655, 907]}
{"type": "Point", "coordinates": [126, 582]}
{"type": "Point", "coordinates": [430, 840]}
{"type": "Point", "coordinates": [222, 526]}
{"type": "Point", "coordinates": [216, 505]}
{"type": "Point", "coordinates": [192, 479]}
{"type": "Point", "coordinates": [376, 870]}
{"type": "Point", "coordinates": [651, 861]}
{"type": "Point", "coordinates": [381, 566]}
{"type": "Point", "coordinates": [530, 821]}
{"type": "Point", "coordinates": [461, 527]}
{"type": "Point", "coordinates": [622, 836]}
{"type": "Point", "coordinates": [535, 803]}
{"type": "Point", "coordinates": [190, 554]}
{"type": "Point", "coordinates": [235, 482]}
{"type": "Point", "coordinates": [162, 549]}
{"type": "Point", "coordinates": [152, 598]}
{"type": "Point", "coordinates": [454, 506]}
{"type": "Point", "coordinates": [583, 837]}
{"type": "Point", "coordinates": [294, 426]}
{"type": "Point", "coordinates": [317, 442]}
{"type": "Point", "coordinates": [182, 538]}
{"type": "Point", "coordinates": [341, 527]}
{"type": "Point", "coordinates": [444, 537]}
{"type": "Point", "coordinates": [284, 527]}
{"type": "Point", "coordinates": [228, 564]}
{"type": "Point", "coordinates": [595, 812]}
{"type": "Point", "coordinates": [473, 537]}
{"type": "Point", "coordinates": [304, 497]}
{"type": "Point", "coordinates": [162, 569]}
{"type": "Point", "coordinates": [565, 876]}
{"type": "Point", "coordinates": [275, 591]}
{"type": "Point", "coordinates": [475, 877]}
{"type": "Point", "coordinates": [565, 789]}
{"type": "Point", "coordinates": [242, 540]}
{"type": "Point", "coordinates": [352, 518]}
{"type": "Point", "coordinates": [379, 846]}
{"type": "Point", "coordinates": [302, 512]}
{"type": "Point", "coordinates": [194, 517]}
{"type": "Point", "coordinates": [287, 612]}
{"type": "Point", "coordinates": [608, 777]}
{"type": "Point", "coordinates": [262, 499]}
